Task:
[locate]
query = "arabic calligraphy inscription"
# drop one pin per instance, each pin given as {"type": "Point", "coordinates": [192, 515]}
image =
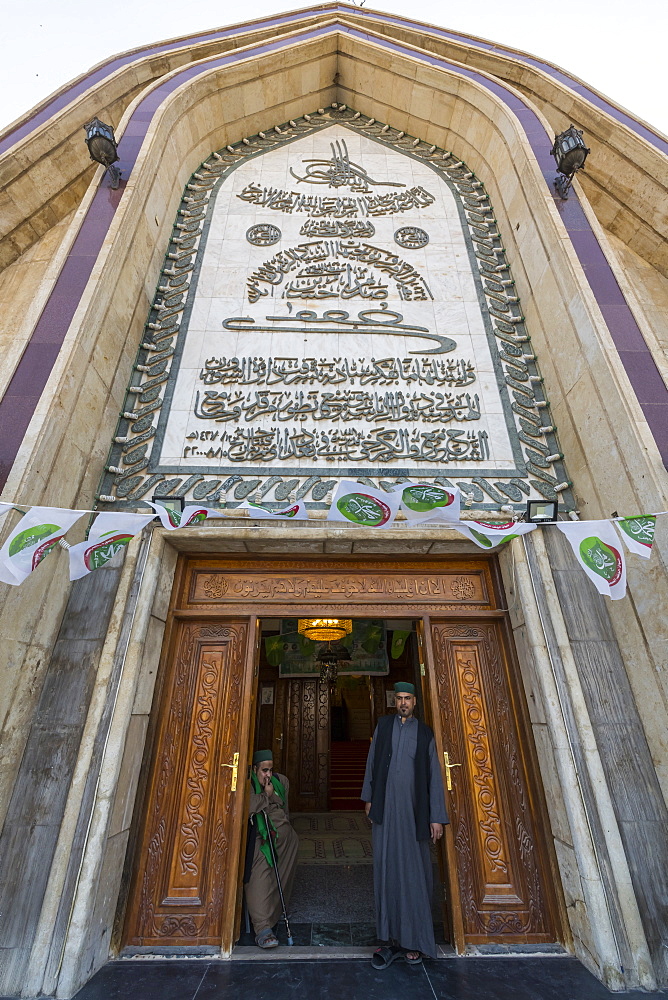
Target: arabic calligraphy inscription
{"type": "Point", "coordinates": [272, 382]}
{"type": "Point", "coordinates": [411, 237]}
{"type": "Point", "coordinates": [313, 280]}
{"type": "Point", "coordinates": [340, 207]}
{"type": "Point", "coordinates": [354, 229]}
{"type": "Point", "coordinates": [382, 445]}
{"type": "Point", "coordinates": [239, 585]}
{"type": "Point", "coordinates": [264, 235]}
{"type": "Point", "coordinates": [340, 171]}
{"type": "Point", "coordinates": [336, 371]}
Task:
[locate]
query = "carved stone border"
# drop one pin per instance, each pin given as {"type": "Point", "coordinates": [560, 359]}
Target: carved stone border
{"type": "Point", "coordinates": [127, 478]}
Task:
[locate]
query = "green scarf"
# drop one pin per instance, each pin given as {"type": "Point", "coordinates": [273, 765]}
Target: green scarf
{"type": "Point", "coordinates": [259, 818]}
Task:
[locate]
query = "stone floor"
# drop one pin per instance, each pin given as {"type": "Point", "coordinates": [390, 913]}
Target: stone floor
{"type": "Point", "coordinates": [322, 934]}
{"type": "Point", "coordinates": [450, 979]}
{"type": "Point", "coordinates": [332, 920]}
{"type": "Point", "coordinates": [329, 894]}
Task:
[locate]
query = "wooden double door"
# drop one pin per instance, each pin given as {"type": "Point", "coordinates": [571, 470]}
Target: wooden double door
{"type": "Point", "coordinates": [185, 888]}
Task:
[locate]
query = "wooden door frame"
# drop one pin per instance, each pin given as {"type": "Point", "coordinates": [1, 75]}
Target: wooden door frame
{"type": "Point", "coordinates": [255, 610]}
{"type": "Point", "coordinates": [232, 923]}
{"type": "Point", "coordinates": [544, 847]}
{"type": "Point", "coordinates": [448, 854]}
{"type": "Point", "coordinates": [235, 828]}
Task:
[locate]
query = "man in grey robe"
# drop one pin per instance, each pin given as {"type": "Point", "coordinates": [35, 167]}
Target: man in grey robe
{"type": "Point", "coordinates": [403, 792]}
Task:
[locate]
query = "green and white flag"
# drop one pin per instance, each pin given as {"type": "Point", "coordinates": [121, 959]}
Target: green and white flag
{"type": "Point", "coordinates": [399, 637]}
{"type": "Point", "coordinates": [295, 511]}
{"type": "Point", "coordinates": [638, 534]}
{"type": "Point", "coordinates": [597, 549]}
{"type": "Point", "coordinates": [38, 531]}
{"type": "Point", "coordinates": [109, 534]}
{"type": "Point", "coordinates": [173, 519]}
{"type": "Point", "coordinates": [363, 505]}
{"type": "Point", "coordinates": [428, 502]}
{"type": "Point", "coordinates": [490, 534]}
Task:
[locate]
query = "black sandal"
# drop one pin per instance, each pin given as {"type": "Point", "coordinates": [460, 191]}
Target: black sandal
{"type": "Point", "coordinates": [413, 961]}
{"type": "Point", "coordinates": [383, 957]}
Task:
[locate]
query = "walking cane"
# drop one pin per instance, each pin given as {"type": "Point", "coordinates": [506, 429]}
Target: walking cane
{"type": "Point", "coordinates": [278, 879]}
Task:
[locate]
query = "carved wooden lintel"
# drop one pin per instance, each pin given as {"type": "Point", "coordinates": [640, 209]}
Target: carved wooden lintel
{"type": "Point", "coordinates": [434, 587]}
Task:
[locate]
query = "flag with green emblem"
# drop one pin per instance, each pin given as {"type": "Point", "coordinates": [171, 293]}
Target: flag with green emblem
{"type": "Point", "coordinates": [173, 519]}
{"type": "Point", "coordinates": [111, 533]}
{"type": "Point", "coordinates": [492, 534]}
{"type": "Point", "coordinates": [597, 549]}
{"type": "Point", "coordinates": [293, 512]}
{"type": "Point", "coordinates": [363, 505]}
{"type": "Point", "coordinates": [638, 534]}
{"type": "Point", "coordinates": [429, 502]}
{"type": "Point", "coordinates": [36, 534]}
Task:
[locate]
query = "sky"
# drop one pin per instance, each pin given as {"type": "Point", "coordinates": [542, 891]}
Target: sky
{"type": "Point", "coordinates": [615, 46]}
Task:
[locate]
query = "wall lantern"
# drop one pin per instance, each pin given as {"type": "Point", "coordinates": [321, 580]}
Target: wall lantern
{"type": "Point", "coordinates": [570, 152]}
{"type": "Point", "coordinates": [102, 147]}
{"type": "Point", "coordinates": [541, 511]}
{"type": "Point", "coordinates": [325, 629]}
{"type": "Point", "coordinates": [175, 504]}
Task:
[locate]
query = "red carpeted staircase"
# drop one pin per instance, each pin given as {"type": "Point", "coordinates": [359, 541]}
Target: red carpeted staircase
{"type": "Point", "coordinates": [347, 761]}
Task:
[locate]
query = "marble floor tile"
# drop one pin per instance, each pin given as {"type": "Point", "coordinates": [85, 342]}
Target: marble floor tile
{"type": "Point", "coordinates": [363, 934]}
{"type": "Point", "coordinates": [499, 978]}
{"type": "Point", "coordinates": [324, 934]}
{"type": "Point", "coordinates": [451, 979]}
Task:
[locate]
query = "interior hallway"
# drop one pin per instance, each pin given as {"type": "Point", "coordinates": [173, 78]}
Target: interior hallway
{"type": "Point", "coordinates": [332, 900]}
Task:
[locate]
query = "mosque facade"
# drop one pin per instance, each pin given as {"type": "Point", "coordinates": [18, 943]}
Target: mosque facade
{"type": "Point", "coordinates": [335, 254]}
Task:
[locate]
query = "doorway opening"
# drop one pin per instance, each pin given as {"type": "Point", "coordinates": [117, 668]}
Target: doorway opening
{"type": "Point", "coordinates": [220, 696]}
{"type": "Point", "coordinates": [319, 730]}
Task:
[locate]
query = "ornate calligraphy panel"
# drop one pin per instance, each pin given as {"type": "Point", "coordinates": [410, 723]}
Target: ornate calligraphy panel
{"type": "Point", "coordinates": [432, 586]}
{"type": "Point", "coordinates": [186, 875]}
{"type": "Point", "coordinates": [336, 302]}
{"type": "Point", "coordinates": [504, 880]}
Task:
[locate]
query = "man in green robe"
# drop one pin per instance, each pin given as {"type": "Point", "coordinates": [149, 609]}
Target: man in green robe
{"type": "Point", "coordinates": [269, 796]}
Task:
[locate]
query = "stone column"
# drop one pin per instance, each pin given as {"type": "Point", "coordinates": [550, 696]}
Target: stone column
{"type": "Point", "coordinates": [569, 654]}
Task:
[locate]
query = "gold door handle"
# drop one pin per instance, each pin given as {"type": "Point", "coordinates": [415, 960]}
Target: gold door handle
{"type": "Point", "coordinates": [235, 770]}
{"type": "Point", "coordinates": [448, 768]}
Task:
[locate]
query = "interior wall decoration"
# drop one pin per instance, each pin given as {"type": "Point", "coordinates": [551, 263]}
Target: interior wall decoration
{"type": "Point", "coordinates": [296, 656]}
{"type": "Point", "coordinates": [335, 303]}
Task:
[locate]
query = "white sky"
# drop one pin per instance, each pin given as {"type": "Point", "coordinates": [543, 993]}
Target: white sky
{"type": "Point", "coordinates": [615, 46]}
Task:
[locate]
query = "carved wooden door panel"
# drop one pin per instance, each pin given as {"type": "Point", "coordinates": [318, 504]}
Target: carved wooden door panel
{"type": "Point", "coordinates": [184, 889]}
{"type": "Point", "coordinates": [306, 743]}
{"type": "Point", "coordinates": [503, 874]}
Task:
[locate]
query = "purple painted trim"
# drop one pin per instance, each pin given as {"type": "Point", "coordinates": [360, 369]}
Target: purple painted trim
{"type": "Point", "coordinates": [20, 400]}
{"type": "Point", "coordinates": [559, 75]}
{"type": "Point", "coordinates": [36, 364]}
{"type": "Point", "coordinates": [84, 83]}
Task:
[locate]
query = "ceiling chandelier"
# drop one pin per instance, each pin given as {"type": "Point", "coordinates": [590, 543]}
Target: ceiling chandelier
{"type": "Point", "coordinates": [329, 660]}
{"type": "Point", "coordinates": [325, 629]}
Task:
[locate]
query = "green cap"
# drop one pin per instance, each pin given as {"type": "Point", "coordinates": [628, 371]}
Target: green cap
{"type": "Point", "coordinates": [261, 755]}
{"type": "Point", "coordinates": [405, 687]}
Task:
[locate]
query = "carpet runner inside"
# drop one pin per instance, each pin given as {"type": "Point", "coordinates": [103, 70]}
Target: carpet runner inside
{"type": "Point", "coordinates": [347, 761]}
{"type": "Point", "coordinates": [341, 838]}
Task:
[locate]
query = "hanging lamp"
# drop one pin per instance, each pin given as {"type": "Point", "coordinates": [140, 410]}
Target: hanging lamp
{"type": "Point", "coordinates": [325, 629]}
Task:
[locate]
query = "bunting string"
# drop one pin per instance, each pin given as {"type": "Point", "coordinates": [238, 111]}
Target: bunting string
{"type": "Point", "coordinates": [597, 545]}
